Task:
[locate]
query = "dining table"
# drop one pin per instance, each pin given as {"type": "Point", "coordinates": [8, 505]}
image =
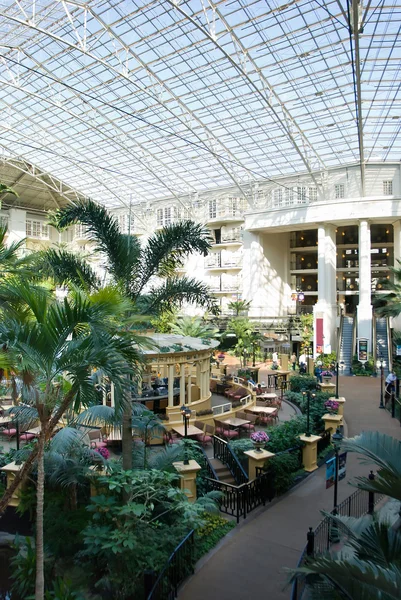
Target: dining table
{"type": "Point", "coordinates": [191, 430]}
{"type": "Point", "coordinates": [235, 422]}
{"type": "Point", "coordinates": [267, 410]}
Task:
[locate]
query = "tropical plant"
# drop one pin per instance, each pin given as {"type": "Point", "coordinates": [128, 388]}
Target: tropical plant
{"type": "Point", "coordinates": [306, 331]}
{"type": "Point", "coordinates": [53, 348]}
{"type": "Point", "coordinates": [369, 565]}
{"type": "Point", "coordinates": [124, 540]}
{"type": "Point", "coordinates": [238, 307]}
{"type": "Point", "coordinates": [194, 327]}
{"type": "Point", "coordinates": [388, 304]}
{"type": "Point", "coordinates": [5, 189]}
{"type": "Point", "coordinates": [145, 274]}
{"type": "Point", "coordinates": [247, 338]}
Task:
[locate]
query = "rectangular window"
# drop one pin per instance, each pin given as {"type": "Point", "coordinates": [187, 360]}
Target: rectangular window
{"type": "Point", "coordinates": [278, 197]}
{"type": "Point", "coordinates": [301, 195]}
{"type": "Point", "coordinates": [124, 224]}
{"type": "Point", "coordinates": [387, 188]}
{"type": "Point", "coordinates": [289, 196]}
{"type": "Point", "coordinates": [339, 191]}
{"type": "Point", "coordinates": [167, 216]}
{"type": "Point", "coordinates": [312, 194]}
{"type": "Point", "coordinates": [233, 206]}
{"type": "Point", "coordinates": [36, 229]}
{"type": "Point", "coordinates": [159, 217]}
{"type": "Point", "coordinates": [212, 209]}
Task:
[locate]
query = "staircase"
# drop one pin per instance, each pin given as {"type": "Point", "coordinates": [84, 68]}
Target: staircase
{"type": "Point", "coordinates": [222, 472]}
{"type": "Point", "coordinates": [381, 343]}
{"type": "Point", "coordinates": [346, 346]}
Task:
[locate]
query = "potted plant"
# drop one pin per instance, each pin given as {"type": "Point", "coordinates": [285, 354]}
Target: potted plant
{"type": "Point", "coordinates": [326, 376]}
{"type": "Point", "coordinates": [332, 406]}
{"type": "Point", "coordinates": [259, 439]}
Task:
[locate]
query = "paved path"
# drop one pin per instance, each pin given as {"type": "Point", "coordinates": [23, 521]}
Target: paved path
{"type": "Point", "coordinates": [251, 559]}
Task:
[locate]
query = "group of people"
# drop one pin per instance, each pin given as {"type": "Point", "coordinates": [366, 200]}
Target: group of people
{"type": "Point", "coordinates": [302, 361]}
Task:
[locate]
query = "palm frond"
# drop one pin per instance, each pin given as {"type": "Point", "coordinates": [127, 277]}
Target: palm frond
{"type": "Point", "coordinates": [385, 452]}
{"type": "Point", "coordinates": [66, 268]}
{"type": "Point", "coordinates": [175, 291]}
{"type": "Point", "coordinates": [97, 415]}
{"type": "Point", "coordinates": [122, 251]}
{"type": "Point", "coordinates": [166, 250]}
{"type": "Point", "coordinates": [65, 440]}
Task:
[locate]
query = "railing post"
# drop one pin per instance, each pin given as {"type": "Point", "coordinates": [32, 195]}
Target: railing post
{"type": "Point", "coordinates": [245, 498]}
{"type": "Point", "coordinates": [237, 502]}
{"type": "Point", "coordinates": [392, 404]}
{"type": "Point", "coordinates": [310, 546]}
{"type": "Point", "coordinates": [149, 577]}
{"type": "Point", "coordinates": [371, 501]}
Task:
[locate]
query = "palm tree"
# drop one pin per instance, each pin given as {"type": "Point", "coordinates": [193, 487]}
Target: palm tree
{"type": "Point", "coordinates": [369, 566]}
{"type": "Point", "coordinates": [194, 327]}
{"type": "Point", "coordinates": [53, 348]}
{"type": "Point", "coordinates": [239, 306]}
{"type": "Point", "coordinates": [145, 274]}
{"type": "Point", "coordinates": [389, 303]}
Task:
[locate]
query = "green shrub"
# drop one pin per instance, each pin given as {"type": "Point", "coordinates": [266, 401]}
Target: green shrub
{"type": "Point", "coordinates": [63, 527]}
{"type": "Point", "coordinates": [214, 529]}
{"type": "Point", "coordinates": [284, 469]}
{"type": "Point", "coordinates": [366, 370]}
{"type": "Point", "coordinates": [286, 434]}
{"type": "Point", "coordinates": [298, 383]}
{"type": "Point", "coordinates": [327, 360]}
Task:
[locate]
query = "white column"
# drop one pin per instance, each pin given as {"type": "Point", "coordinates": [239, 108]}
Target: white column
{"type": "Point", "coordinates": [364, 311]}
{"type": "Point", "coordinates": [326, 307]}
{"type": "Point", "coordinates": [321, 265]}
{"type": "Point", "coordinates": [182, 383]}
{"type": "Point", "coordinates": [170, 385]}
{"type": "Point", "coordinates": [16, 225]}
{"type": "Point", "coordinates": [198, 374]}
{"type": "Point", "coordinates": [112, 398]}
{"type": "Point", "coordinates": [397, 265]}
{"type": "Point", "coordinates": [189, 385]}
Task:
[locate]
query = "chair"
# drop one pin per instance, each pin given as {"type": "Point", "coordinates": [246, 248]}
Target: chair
{"type": "Point", "coordinates": [96, 440]}
{"type": "Point", "coordinates": [27, 437]}
{"type": "Point", "coordinates": [200, 424]}
{"type": "Point", "coordinates": [150, 404]}
{"type": "Point", "coordinates": [170, 437]}
{"type": "Point", "coordinates": [9, 432]}
{"type": "Point", "coordinates": [219, 429]}
{"type": "Point", "coordinates": [207, 437]}
{"type": "Point", "coordinates": [248, 427]}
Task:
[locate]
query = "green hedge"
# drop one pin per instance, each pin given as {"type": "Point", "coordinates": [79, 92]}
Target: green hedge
{"type": "Point", "coordinates": [298, 383]}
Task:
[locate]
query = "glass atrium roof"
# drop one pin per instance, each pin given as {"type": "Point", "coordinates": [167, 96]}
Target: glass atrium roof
{"type": "Point", "coordinates": [141, 99]}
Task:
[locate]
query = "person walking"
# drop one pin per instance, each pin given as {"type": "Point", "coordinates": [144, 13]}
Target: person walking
{"type": "Point", "coordinates": [390, 382]}
{"type": "Point", "coordinates": [293, 361]}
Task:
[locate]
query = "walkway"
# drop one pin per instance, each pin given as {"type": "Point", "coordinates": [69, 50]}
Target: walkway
{"type": "Point", "coordinates": [252, 558]}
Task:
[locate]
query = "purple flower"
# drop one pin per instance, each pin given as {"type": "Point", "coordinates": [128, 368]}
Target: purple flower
{"type": "Point", "coordinates": [103, 452]}
{"type": "Point", "coordinates": [260, 437]}
{"type": "Point", "coordinates": [332, 405]}
{"type": "Point", "coordinates": [327, 374]}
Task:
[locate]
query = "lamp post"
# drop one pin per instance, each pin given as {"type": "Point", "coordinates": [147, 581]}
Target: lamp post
{"type": "Point", "coordinates": [308, 395]}
{"type": "Point", "coordinates": [381, 383]}
{"type": "Point", "coordinates": [186, 413]}
{"type": "Point", "coordinates": [337, 370]}
{"type": "Point", "coordinates": [336, 438]}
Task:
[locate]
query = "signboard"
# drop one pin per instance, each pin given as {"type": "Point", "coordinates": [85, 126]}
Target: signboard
{"type": "Point", "coordinates": [362, 350]}
{"type": "Point", "coordinates": [331, 469]}
{"type": "Point", "coordinates": [319, 349]}
{"type": "Point", "coordinates": [398, 350]}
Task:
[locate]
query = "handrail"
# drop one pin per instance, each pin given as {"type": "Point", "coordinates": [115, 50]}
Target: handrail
{"type": "Point", "coordinates": [374, 338]}
{"type": "Point", "coordinates": [208, 464]}
{"type": "Point", "coordinates": [389, 345]}
{"type": "Point", "coordinates": [223, 452]}
{"type": "Point", "coordinates": [177, 580]}
{"type": "Point", "coordinates": [354, 333]}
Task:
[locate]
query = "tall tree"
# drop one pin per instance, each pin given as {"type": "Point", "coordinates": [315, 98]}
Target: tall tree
{"type": "Point", "coordinates": [194, 327]}
{"type": "Point", "coordinates": [146, 274]}
{"type": "Point", "coordinates": [53, 347]}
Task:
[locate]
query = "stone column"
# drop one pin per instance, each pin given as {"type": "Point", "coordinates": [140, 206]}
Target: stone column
{"type": "Point", "coordinates": [341, 401]}
{"type": "Point", "coordinates": [112, 397]}
{"type": "Point", "coordinates": [321, 265]}
{"type": "Point", "coordinates": [309, 452]}
{"type": "Point", "coordinates": [189, 386]}
{"type": "Point", "coordinates": [11, 470]}
{"type": "Point", "coordinates": [332, 422]}
{"type": "Point", "coordinates": [364, 311]}
{"type": "Point", "coordinates": [182, 384]}
{"type": "Point", "coordinates": [188, 478]}
{"type": "Point", "coordinates": [170, 385]}
{"type": "Point", "coordinates": [198, 374]}
{"type": "Point", "coordinates": [256, 459]}
{"type": "Point", "coordinates": [326, 307]}
{"type": "Point", "coordinates": [16, 225]}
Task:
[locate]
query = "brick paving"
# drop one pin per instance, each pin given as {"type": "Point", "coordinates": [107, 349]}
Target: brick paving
{"type": "Point", "coordinates": [251, 560]}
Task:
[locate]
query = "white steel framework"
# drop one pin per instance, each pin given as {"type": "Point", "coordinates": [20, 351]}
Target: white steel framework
{"type": "Point", "coordinates": [130, 101]}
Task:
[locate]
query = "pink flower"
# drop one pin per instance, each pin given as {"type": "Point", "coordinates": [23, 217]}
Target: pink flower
{"type": "Point", "coordinates": [260, 437]}
{"type": "Point", "coordinates": [103, 452]}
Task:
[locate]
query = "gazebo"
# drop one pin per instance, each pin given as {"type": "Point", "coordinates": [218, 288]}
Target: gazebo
{"type": "Point", "coordinates": [183, 363]}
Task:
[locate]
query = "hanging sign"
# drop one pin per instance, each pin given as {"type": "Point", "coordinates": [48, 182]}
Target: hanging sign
{"type": "Point", "coordinates": [362, 350]}
{"type": "Point", "coordinates": [398, 350]}
{"type": "Point", "coordinates": [331, 469]}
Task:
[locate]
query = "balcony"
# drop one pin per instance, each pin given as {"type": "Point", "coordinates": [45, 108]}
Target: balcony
{"type": "Point", "coordinates": [221, 262]}
{"type": "Point", "coordinates": [224, 216]}
{"type": "Point", "coordinates": [81, 235]}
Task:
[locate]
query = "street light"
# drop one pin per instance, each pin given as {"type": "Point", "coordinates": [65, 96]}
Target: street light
{"type": "Point", "coordinates": [336, 438]}
{"type": "Point", "coordinates": [381, 382]}
{"type": "Point", "coordinates": [337, 370]}
{"type": "Point", "coordinates": [186, 413]}
{"type": "Point", "coordinates": [308, 396]}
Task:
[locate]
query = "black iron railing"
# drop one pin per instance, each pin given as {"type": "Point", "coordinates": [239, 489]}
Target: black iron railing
{"type": "Point", "coordinates": [178, 567]}
{"type": "Point", "coordinates": [326, 533]}
{"type": "Point", "coordinates": [204, 459]}
{"type": "Point", "coordinates": [223, 452]}
{"type": "Point", "coordinates": [238, 501]}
